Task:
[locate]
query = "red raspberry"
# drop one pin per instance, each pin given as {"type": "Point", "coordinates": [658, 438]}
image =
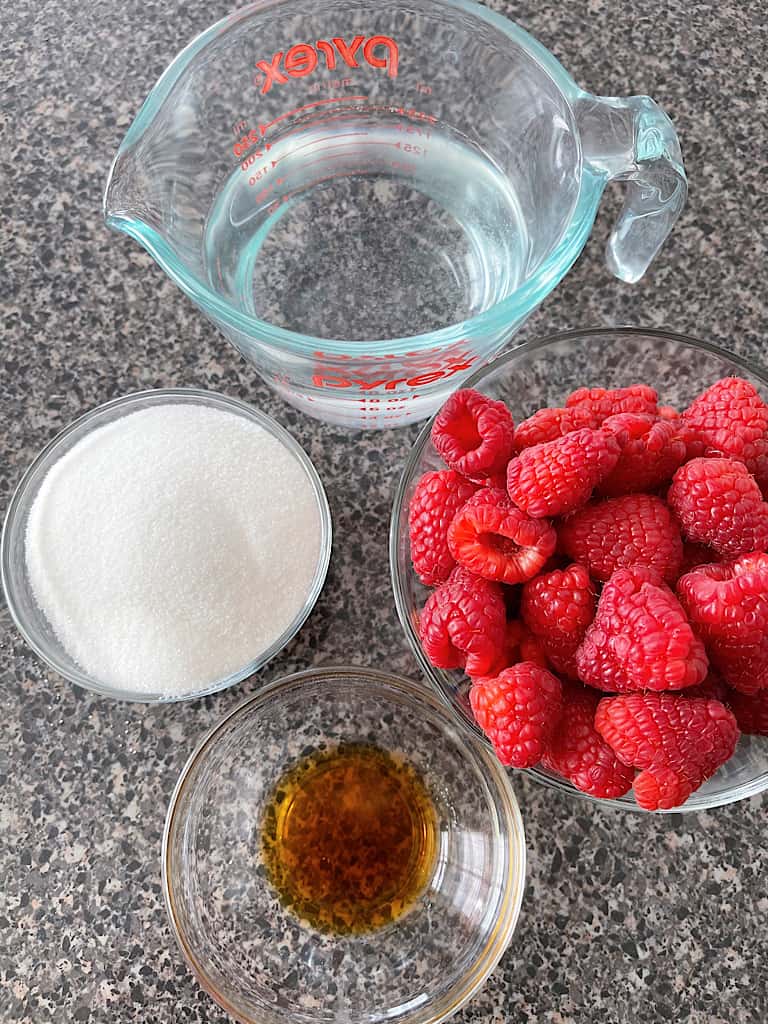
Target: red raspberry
{"type": "Point", "coordinates": [548, 425]}
{"type": "Point", "coordinates": [518, 712]}
{"type": "Point", "coordinates": [676, 742]}
{"type": "Point", "coordinates": [463, 624]}
{"type": "Point", "coordinates": [602, 403]}
{"type": "Point", "coordinates": [650, 453]}
{"type": "Point", "coordinates": [558, 607]}
{"type": "Point", "coordinates": [731, 419]}
{"type": "Point", "coordinates": [717, 502]}
{"type": "Point", "coordinates": [494, 539]}
{"type": "Point", "coordinates": [695, 555]}
{"type": "Point", "coordinates": [520, 645]}
{"type": "Point", "coordinates": [556, 477]}
{"type": "Point", "coordinates": [662, 788]}
{"type": "Point", "coordinates": [579, 753]}
{"type": "Point", "coordinates": [635, 529]}
{"type": "Point", "coordinates": [437, 498]}
{"type": "Point", "coordinates": [694, 446]}
{"type": "Point", "coordinates": [744, 667]}
{"type": "Point", "coordinates": [640, 638]}
{"type": "Point", "coordinates": [474, 434]}
{"type": "Point", "coordinates": [751, 712]}
{"type": "Point", "coordinates": [728, 602]}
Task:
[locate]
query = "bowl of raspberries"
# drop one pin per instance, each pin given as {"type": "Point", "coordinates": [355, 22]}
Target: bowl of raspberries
{"type": "Point", "coordinates": [579, 553]}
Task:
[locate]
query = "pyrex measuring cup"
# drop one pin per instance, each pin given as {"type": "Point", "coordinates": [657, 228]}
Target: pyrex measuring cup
{"type": "Point", "coordinates": [369, 198]}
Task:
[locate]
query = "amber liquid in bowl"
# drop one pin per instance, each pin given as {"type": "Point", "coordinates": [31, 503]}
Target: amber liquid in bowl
{"type": "Point", "coordinates": [349, 838]}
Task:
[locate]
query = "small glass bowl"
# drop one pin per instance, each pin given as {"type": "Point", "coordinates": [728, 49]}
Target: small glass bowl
{"type": "Point", "coordinates": [30, 620]}
{"type": "Point", "coordinates": [264, 965]}
{"type": "Point", "coordinates": [542, 373]}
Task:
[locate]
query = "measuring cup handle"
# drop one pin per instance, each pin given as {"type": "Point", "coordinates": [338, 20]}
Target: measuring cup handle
{"type": "Point", "coordinates": [633, 140]}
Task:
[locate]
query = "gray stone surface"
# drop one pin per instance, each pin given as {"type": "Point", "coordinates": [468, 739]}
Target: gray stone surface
{"type": "Point", "coordinates": [626, 918]}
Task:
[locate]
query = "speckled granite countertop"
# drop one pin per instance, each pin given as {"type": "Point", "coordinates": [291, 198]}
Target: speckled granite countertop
{"type": "Point", "coordinates": [626, 918]}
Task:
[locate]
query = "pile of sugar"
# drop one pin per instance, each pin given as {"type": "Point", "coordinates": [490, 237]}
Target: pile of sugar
{"type": "Point", "coordinates": [172, 546]}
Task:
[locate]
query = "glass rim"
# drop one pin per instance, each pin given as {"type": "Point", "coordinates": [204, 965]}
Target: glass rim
{"type": "Point", "coordinates": [747, 789]}
{"type": "Point", "coordinates": [465, 986]}
{"type": "Point", "coordinates": [509, 310]}
{"type": "Point", "coordinates": [83, 425]}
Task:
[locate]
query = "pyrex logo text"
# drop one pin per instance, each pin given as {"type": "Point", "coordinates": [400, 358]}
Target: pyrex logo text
{"type": "Point", "coordinates": [302, 59]}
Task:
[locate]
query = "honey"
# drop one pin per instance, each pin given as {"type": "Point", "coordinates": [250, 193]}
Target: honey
{"type": "Point", "coordinates": [349, 838]}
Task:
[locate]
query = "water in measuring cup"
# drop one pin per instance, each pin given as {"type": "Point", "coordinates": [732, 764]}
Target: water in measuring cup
{"type": "Point", "coordinates": [366, 228]}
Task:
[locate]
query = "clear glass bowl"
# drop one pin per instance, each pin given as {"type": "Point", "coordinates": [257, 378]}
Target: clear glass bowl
{"type": "Point", "coordinates": [541, 373]}
{"type": "Point", "coordinates": [30, 620]}
{"type": "Point", "coordinates": [259, 961]}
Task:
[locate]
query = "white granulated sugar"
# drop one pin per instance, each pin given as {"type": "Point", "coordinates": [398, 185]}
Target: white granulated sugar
{"type": "Point", "coordinates": [171, 547]}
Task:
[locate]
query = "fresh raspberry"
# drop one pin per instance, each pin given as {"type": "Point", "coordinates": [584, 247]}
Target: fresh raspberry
{"type": "Point", "coordinates": [474, 434]}
{"type": "Point", "coordinates": [731, 419]}
{"type": "Point", "coordinates": [668, 412]}
{"type": "Point", "coordinates": [558, 607]}
{"type": "Point", "coordinates": [498, 481]}
{"type": "Point", "coordinates": [650, 453]}
{"type": "Point", "coordinates": [496, 540]}
{"type": "Point", "coordinates": [727, 603]}
{"type": "Point", "coordinates": [436, 500]}
{"type": "Point", "coordinates": [751, 712]}
{"type": "Point", "coordinates": [718, 503]}
{"type": "Point", "coordinates": [694, 446]}
{"type": "Point", "coordinates": [518, 712]}
{"type": "Point", "coordinates": [695, 555]}
{"type": "Point", "coordinates": [744, 667]}
{"type": "Point", "coordinates": [556, 477]}
{"type": "Point", "coordinates": [464, 623]}
{"type": "Point", "coordinates": [676, 742]}
{"type": "Point", "coordinates": [520, 645]}
{"type": "Point", "coordinates": [579, 753]}
{"type": "Point", "coordinates": [635, 529]}
{"type": "Point", "coordinates": [662, 788]}
{"type": "Point", "coordinates": [548, 425]}
{"type": "Point", "coordinates": [602, 402]}
{"type": "Point", "coordinates": [640, 638]}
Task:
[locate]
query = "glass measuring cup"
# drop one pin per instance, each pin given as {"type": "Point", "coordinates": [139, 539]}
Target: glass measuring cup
{"type": "Point", "coordinates": [369, 199]}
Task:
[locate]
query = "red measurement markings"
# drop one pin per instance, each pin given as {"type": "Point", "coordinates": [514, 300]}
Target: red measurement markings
{"type": "Point", "coordinates": [414, 129]}
{"type": "Point", "coordinates": [333, 119]}
{"type": "Point", "coordinates": [410, 112]}
{"type": "Point", "coordinates": [345, 115]}
{"type": "Point", "coordinates": [308, 106]}
{"type": "Point", "coordinates": [314, 142]}
{"type": "Point", "coordinates": [325, 154]}
{"type": "Point", "coordinates": [253, 136]}
{"type": "Point", "coordinates": [411, 147]}
{"type": "Point", "coordinates": [251, 159]}
{"type": "Point", "coordinates": [263, 171]}
{"type": "Point", "coordinates": [259, 153]}
{"type": "Point", "coordinates": [405, 147]}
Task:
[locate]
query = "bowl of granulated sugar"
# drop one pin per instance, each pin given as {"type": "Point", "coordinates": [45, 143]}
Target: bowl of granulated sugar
{"type": "Point", "coordinates": [165, 545]}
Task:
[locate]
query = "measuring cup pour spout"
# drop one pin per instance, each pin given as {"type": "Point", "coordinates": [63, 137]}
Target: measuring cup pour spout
{"type": "Point", "coordinates": [369, 199]}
